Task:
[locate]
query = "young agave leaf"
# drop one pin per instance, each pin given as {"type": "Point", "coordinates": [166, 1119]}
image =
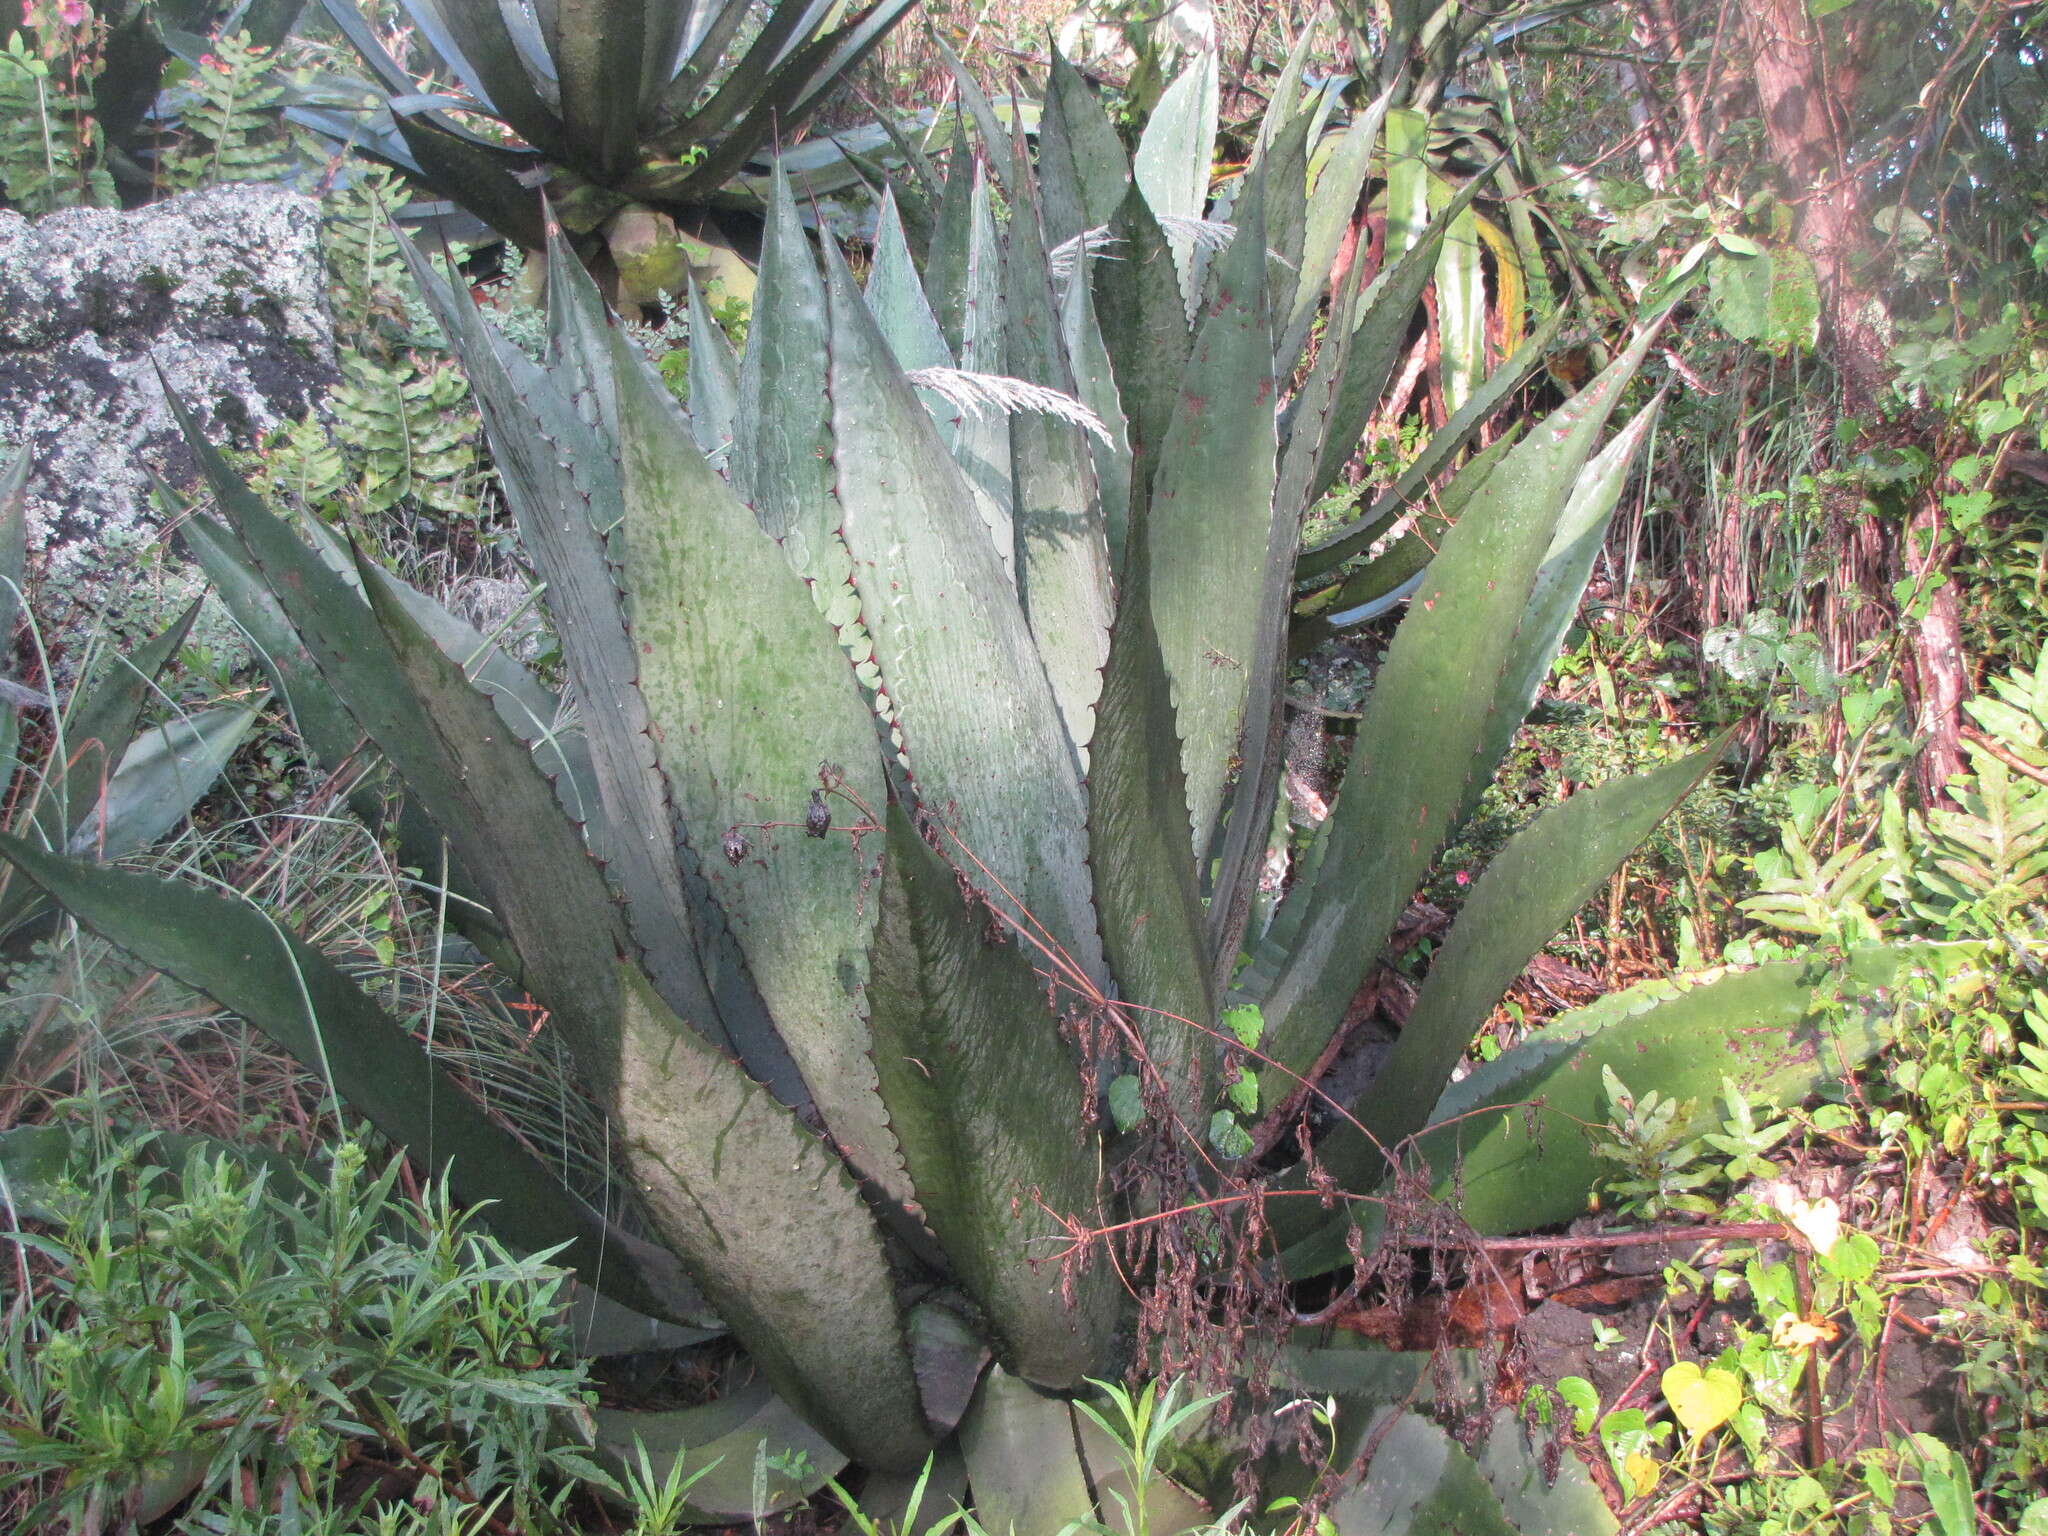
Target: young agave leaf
{"type": "Point", "coordinates": [1513, 1141]}
{"type": "Point", "coordinates": [1460, 302]}
{"type": "Point", "coordinates": [1210, 517]}
{"type": "Point", "coordinates": [1022, 1461]}
{"type": "Point", "coordinates": [981, 442]}
{"type": "Point", "coordinates": [1175, 153]}
{"type": "Point", "coordinates": [1547, 871]}
{"type": "Point", "coordinates": [162, 776]}
{"type": "Point", "coordinates": [896, 298]}
{"type": "Point", "coordinates": [1095, 386]}
{"type": "Point", "coordinates": [1145, 333]}
{"type": "Point", "coordinates": [714, 377]}
{"type": "Point", "coordinates": [1329, 214]}
{"type": "Point", "coordinates": [981, 730]}
{"type": "Point", "coordinates": [782, 453]}
{"type": "Point", "coordinates": [986, 1100]}
{"type": "Point", "coordinates": [241, 958]}
{"type": "Point", "coordinates": [945, 267]}
{"type": "Point", "coordinates": [1425, 723]}
{"type": "Point", "coordinates": [1082, 169]}
{"type": "Point", "coordinates": [1282, 167]}
{"type": "Point", "coordinates": [1062, 549]}
{"type": "Point", "coordinates": [749, 698]}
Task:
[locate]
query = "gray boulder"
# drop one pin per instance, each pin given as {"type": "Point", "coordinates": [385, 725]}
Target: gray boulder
{"type": "Point", "coordinates": [222, 289]}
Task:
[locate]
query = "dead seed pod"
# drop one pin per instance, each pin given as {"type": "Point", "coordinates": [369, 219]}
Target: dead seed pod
{"type": "Point", "coordinates": [735, 845]}
{"type": "Point", "coordinates": [818, 819]}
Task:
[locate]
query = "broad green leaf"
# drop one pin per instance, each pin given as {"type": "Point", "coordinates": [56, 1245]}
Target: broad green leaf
{"type": "Point", "coordinates": [1331, 209]}
{"type": "Point", "coordinates": [1171, 166]}
{"type": "Point", "coordinates": [1580, 535]}
{"type": "Point", "coordinates": [1082, 168]}
{"type": "Point", "coordinates": [1406, 131]}
{"type": "Point", "coordinates": [747, 1455]}
{"type": "Point", "coordinates": [1210, 518]}
{"type": "Point", "coordinates": [986, 1101]}
{"type": "Point", "coordinates": [1541, 1494]}
{"type": "Point", "coordinates": [896, 298]}
{"type": "Point", "coordinates": [773, 1231]}
{"type": "Point", "coordinates": [981, 730]}
{"type": "Point", "coordinates": [1022, 1462]}
{"type": "Point", "coordinates": [239, 956]}
{"type": "Point", "coordinates": [714, 377]}
{"type": "Point", "coordinates": [1062, 548]}
{"type": "Point", "coordinates": [750, 698]}
{"type": "Point", "coordinates": [1425, 723]}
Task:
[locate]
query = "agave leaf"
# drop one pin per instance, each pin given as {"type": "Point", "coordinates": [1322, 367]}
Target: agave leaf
{"type": "Point", "coordinates": [1513, 1141]}
{"type": "Point", "coordinates": [239, 956]}
{"type": "Point", "coordinates": [1210, 517]}
{"type": "Point", "coordinates": [986, 1100]}
{"type": "Point", "coordinates": [945, 268]}
{"type": "Point", "coordinates": [981, 443]}
{"type": "Point", "coordinates": [1515, 1466]}
{"type": "Point", "coordinates": [1547, 871]}
{"type": "Point", "coordinates": [982, 732]}
{"type": "Point", "coordinates": [749, 698]}
{"type": "Point", "coordinates": [1386, 312]}
{"type": "Point", "coordinates": [950, 1357]}
{"type": "Point", "coordinates": [746, 1456]}
{"type": "Point", "coordinates": [1146, 886]}
{"type": "Point", "coordinates": [599, 49]}
{"type": "Point", "coordinates": [1145, 332]}
{"type": "Point", "coordinates": [1095, 387]}
{"type": "Point", "coordinates": [1419, 1481]}
{"type": "Point", "coordinates": [994, 137]}
{"type": "Point", "coordinates": [1460, 303]}
{"type": "Point", "coordinates": [1062, 548]}
{"type": "Point", "coordinates": [1406, 131]}
{"type": "Point", "coordinates": [714, 376]}
{"type": "Point", "coordinates": [1446, 441]}
{"type": "Point", "coordinates": [1083, 171]}
{"type": "Point", "coordinates": [481, 180]}
{"type": "Point", "coordinates": [162, 776]}
{"type": "Point", "coordinates": [1027, 1475]}
{"type": "Point", "coordinates": [497, 69]}
{"type": "Point", "coordinates": [680, 120]}
{"type": "Point", "coordinates": [1425, 724]}
{"type": "Point", "coordinates": [897, 300]}
{"type": "Point", "coordinates": [782, 456]}
{"type": "Point", "coordinates": [560, 477]}
{"type": "Point", "coordinates": [1282, 166]}
{"type": "Point", "coordinates": [1174, 155]}
{"type": "Point", "coordinates": [1329, 214]}
{"type": "Point", "coordinates": [1554, 602]}
{"type": "Point", "coordinates": [920, 1505]}
{"type": "Point", "coordinates": [772, 1229]}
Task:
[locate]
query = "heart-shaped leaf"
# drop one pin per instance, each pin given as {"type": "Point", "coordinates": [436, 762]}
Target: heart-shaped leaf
{"type": "Point", "coordinates": [1702, 1401]}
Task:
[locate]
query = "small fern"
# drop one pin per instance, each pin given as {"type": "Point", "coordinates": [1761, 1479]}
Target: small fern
{"type": "Point", "coordinates": [51, 151]}
{"type": "Point", "coordinates": [410, 434]}
{"type": "Point", "coordinates": [233, 126]}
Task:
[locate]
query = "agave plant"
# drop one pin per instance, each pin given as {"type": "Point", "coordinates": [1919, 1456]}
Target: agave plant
{"type": "Point", "coordinates": [633, 113]}
{"type": "Point", "coordinates": [915, 748]}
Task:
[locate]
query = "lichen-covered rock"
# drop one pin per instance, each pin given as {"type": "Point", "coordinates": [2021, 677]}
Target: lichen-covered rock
{"type": "Point", "coordinates": [224, 291]}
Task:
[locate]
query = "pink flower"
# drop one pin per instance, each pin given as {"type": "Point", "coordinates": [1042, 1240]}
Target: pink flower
{"type": "Point", "coordinates": [1464, 877]}
{"type": "Point", "coordinates": [208, 61]}
{"type": "Point", "coordinates": [72, 12]}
